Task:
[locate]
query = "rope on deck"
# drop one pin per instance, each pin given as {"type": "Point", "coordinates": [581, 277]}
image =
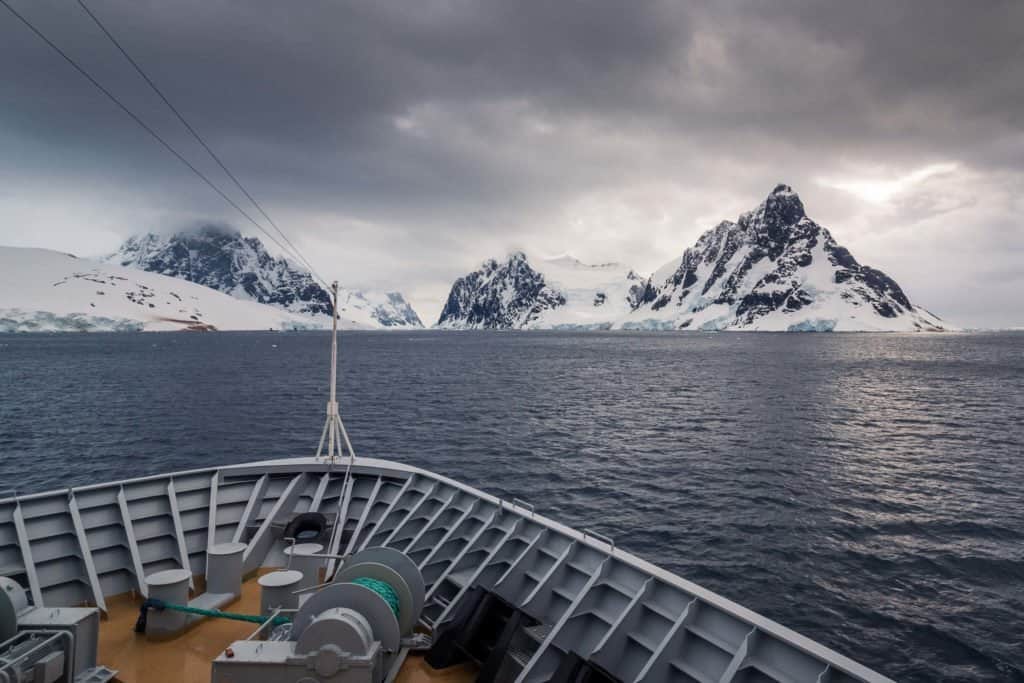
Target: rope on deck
{"type": "Point", "coordinates": [160, 605]}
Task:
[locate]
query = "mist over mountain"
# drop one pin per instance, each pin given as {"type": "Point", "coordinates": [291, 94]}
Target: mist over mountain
{"type": "Point", "coordinates": [42, 290]}
{"type": "Point", "coordinates": [221, 258]}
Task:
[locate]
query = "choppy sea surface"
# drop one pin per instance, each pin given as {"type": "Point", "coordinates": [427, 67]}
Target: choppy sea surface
{"type": "Point", "coordinates": [865, 490]}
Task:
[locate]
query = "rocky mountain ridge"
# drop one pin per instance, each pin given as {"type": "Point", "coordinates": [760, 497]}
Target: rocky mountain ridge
{"type": "Point", "coordinates": [772, 269]}
{"type": "Point", "coordinates": [560, 293]}
{"type": "Point", "coordinates": [221, 258]}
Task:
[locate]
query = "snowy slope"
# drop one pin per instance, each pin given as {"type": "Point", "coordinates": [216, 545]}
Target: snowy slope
{"type": "Point", "coordinates": [377, 310]}
{"type": "Point", "coordinates": [594, 294]}
{"type": "Point", "coordinates": [561, 293]}
{"type": "Point", "coordinates": [775, 269]}
{"type": "Point", "coordinates": [222, 258]}
{"type": "Point", "coordinates": [48, 291]}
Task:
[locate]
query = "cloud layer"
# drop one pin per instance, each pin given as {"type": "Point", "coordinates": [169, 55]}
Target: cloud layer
{"type": "Point", "coordinates": [401, 144]}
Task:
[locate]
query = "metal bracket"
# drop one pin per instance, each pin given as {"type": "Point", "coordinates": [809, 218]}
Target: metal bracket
{"type": "Point", "coordinates": [519, 502]}
{"type": "Point", "coordinates": [417, 641]}
{"type": "Point", "coordinates": [601, 537]}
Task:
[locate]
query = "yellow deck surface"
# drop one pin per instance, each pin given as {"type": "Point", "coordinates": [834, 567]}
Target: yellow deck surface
{"type": "Point", "coordinates": [187, 659]}
{"type": "Point", "coordinates": [415, 670]}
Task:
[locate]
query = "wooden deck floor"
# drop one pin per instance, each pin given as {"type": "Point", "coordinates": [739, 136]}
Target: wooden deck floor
{"type": "Point", "coordinates": [187, 659]}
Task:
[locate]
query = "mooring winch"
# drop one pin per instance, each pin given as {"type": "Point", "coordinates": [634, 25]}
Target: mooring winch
{"type": "Point", "coordinates": [352, 630]}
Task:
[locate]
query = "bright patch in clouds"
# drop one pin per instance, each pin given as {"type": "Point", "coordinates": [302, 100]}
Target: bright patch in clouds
{"type": "Point", "coordinates": [879, 190]}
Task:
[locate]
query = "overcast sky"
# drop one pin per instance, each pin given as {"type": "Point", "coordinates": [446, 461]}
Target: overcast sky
{"type": "Point", "coordinates": [400, 144]}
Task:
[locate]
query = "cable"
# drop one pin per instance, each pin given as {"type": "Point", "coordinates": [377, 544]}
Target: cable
{"type": "Point", "coordinates": [199, 139]}
{"type": "Point", "coordinates": [139, 121]}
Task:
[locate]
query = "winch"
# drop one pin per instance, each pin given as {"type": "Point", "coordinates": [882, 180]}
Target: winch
{"type": "Point", "coordinates": [353, 630]}
{"type": "Point", "coordinates": [46, 644]}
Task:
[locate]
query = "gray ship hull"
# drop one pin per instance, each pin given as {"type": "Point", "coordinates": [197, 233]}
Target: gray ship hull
{"type": "Point", "coordinates": [589, 599]}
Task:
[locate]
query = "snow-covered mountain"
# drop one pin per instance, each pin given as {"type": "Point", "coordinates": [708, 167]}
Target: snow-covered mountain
{"type": "Point", "coordinates": [560, 293]}
{"type": "Point", "coordinates": [49, 291]}
{"type": "Point", "coordinates": [223, 259]}
{"type": "Point", "coordinates": [775, 269]}
{"type": "Point", "coordinates": [772, 269]}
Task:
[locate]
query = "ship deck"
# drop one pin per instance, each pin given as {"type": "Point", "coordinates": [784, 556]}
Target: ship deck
{"type": "Point", "coordinates": [188, 658]}
{"type": "Point", "coordinates": [594, 601]}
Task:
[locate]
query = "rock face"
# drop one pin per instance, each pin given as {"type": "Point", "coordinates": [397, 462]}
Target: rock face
{"type": "Point", "coordinates": [773, 269]}
{"type": "Point", "coordinates": [505, 295]}
{"type": "Point", "coordinates": [221, 258]}
{"type": "Point", "coordinates": [560, 293]}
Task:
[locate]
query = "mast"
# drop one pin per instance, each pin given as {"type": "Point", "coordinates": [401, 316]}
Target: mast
{"type": "Point", "coordinates": [332, 403]}
{"type": "Point", "coordinates": [334, 428]}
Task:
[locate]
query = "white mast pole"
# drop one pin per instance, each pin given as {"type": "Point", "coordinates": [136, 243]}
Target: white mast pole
{"type": "Point", "coordinates": [334, 429]}
{"type": "Point", "coordinates": [332, 404]}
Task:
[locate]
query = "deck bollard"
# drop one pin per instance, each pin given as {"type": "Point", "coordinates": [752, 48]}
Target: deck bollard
{"type": "Point", "coordinates": [224, 568]}
{"type": "Point", "coordinates": [276, 590]}
{"type": "Point", "coordinates": [170, 586]}
{"type": "Point", "coordinates": [302, 558]}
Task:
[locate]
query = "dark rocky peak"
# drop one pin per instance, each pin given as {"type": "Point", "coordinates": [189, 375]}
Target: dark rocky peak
{"type": "Point", "coordinates": [516, 259]}
{"type": "Point", "coordinates": [777, 221]}
{"type": "Point", "coordinates": [501, 295]}
{"type": "Point", "coordinates": [782, 207]}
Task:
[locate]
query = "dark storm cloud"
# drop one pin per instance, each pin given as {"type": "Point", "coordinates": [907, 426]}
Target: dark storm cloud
{"type": "Point", "coordinates": [410, 140]}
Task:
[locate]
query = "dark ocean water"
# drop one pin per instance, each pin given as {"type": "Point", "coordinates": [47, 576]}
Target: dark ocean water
{"type": "Point", "coordinates": [865, 490]}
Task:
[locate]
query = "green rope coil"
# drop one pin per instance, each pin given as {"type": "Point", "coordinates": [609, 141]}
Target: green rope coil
{"type": "Point", "coordinates": [382, 589]}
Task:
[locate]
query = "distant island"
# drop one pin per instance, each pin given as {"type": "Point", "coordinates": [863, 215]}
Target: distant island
{"type": "Point", "coordinates": [209, 278]}
{"type": "Point", "coordinates": [774, 269]}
